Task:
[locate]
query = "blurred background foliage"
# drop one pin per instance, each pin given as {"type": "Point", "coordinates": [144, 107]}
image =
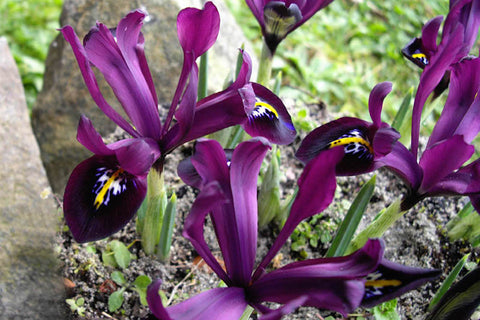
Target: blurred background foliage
{"type": "Point", "coordinates": [30, 26]}
{"type": "Point", "coordinates": [336, 57]}
{"type": "Point", "coordinates": [340, 54]}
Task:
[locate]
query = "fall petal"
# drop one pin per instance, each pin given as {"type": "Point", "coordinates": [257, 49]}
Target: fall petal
{"type": "Point", "coordinates": [100, 198]}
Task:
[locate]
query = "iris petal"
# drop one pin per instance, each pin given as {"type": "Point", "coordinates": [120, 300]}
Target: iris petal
{"type": "Point", "coordinates": [267, 116]}
{"type": "Point", "coordinates": [101, 198]}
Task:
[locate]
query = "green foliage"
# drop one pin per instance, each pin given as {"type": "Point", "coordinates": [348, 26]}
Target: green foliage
{"type": "Point", "coordinates": [386, 311]}
{"type": "Point", "coordinates": [77, 306]}
{"type": "Point", "coordinates": [30, 26]}
{"type": "Point", "coordinates": [116, 254]}
{"type": "Point", "coordinates": [466, 225]}
{"type": "Point", "coordinates": [352, 219]}
{"type": "Point", "coordinates": [116, 299]}
{"type": "Point", "coordinates": [311, 233]}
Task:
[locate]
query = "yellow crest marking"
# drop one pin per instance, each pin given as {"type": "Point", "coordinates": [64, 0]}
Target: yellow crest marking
{"type": "Point", "coordinates": [101, 195]}
{"type": "Point", "coordinates": [267, 106]}
{"type": "Point", "coordinates": [382, 283]}
{"type": "Point", "coordinates": [419, 56]}
{"type": "Point", "coordinates": [347, 140]}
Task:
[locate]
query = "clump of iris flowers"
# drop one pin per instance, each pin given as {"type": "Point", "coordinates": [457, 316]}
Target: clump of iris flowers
{"type": "Point", "coordinates": [104, 192]}
{"type": "Point", "coordinates": [228, 194]}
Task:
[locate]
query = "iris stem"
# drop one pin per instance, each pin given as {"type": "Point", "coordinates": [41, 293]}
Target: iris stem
{"type": "Point", "coordinates": [265, 67]}
{"type": "Point", "coordinates": [377, 228]}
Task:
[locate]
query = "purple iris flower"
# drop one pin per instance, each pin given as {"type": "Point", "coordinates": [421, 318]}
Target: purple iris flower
{"type": "Point", "coordinates": [459, 34]}
{"type": "Point", "coordinates": [364, 143]}
{"type": "Point", "coordinates": [278, 18]}
{"type": "Point", "coordinates": [228, 193]}
{"type": "Point", "coordinates": [440, 171]}
{"type": "Point", "coordinates": [105, 191]}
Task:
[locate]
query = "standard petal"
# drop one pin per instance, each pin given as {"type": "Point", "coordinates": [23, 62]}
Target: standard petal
{"type": "Point", "coordinates": [125, 78]}
{"type": "Point", "coordinates": [267, 116]}
{"type": "Point", "coordinates": [430, 78]}
{"type": "Point", "coordinates": [211, 197]}
{"type": "Point", "coordinates": [391, 280]}
{"type": "Point", "coordinates": [375, 101]}
{"type": "Point", "coordinates": [100, 198]}
{"type": "Point", "coordinates": [383, 141]}
{"type": "Point", "coordinates": [91, 139]}
{"type": "Point", "coordinates": [198, 29]}
{"type": "Point", "coordinates": [465, 181]}
{"type": "Point", "coordinates": [316, 190]}
{"type": "Point", "coordinates": [91, 81]}
{"type": "Point", "coordinates": [442, 159]}
{"type": "Point", "coordinates": [429, 35]}
{"type": "Point", "coordinates": [284, 310]}
{"type": "Point", "coordinates": [244, 169]}
{"type": "Point", "coordinates": [461, 112]}
{"type": "Point", "coordinates": [214, 304]}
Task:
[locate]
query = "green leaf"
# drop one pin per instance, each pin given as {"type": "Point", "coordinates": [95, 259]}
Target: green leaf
{"type": "Point", "coordinates": [461, 299]}
{"type": "Point", "coordinates": [108, 258]}
{"type": "Point", "coordinates": [118, 277]}
{"type": "Point", "coordinates": [141, 283]}
{"type": "Point", "coordinates": [448, 282]}
{"type": "Point", "coordinates": [352, 219]}
{"type": "Point", "coordinates": [121, 253]}
{"type": "Point", "coordinates": [402, 111]}
{"type": "Point", "coordinates": [386, 311]}
{"type": "Point", "coordinates": [115, 300]}
{"type": "Point", "coordinates": [163, 248]}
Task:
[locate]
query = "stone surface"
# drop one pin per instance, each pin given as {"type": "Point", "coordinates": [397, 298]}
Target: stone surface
{"type": "Point", "coordinates": [29, 285]}
{"type": "Point", "coordinates": [65, 97]}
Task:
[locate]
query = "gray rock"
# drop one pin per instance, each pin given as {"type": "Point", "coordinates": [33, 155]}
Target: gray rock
{"type": "Point", "coordinates": [65, 97]}
{"type": "Point", "coordinates": [29, 285]}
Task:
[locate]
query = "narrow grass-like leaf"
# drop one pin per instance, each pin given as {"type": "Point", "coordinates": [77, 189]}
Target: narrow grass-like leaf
{"type": "Point", "coordinates": [466, 225]}
{"type": "Point", "coordinates": [352, 219]}
{"type": "Point", "coordinates": [448, 282]}
{"type": "Point", "coordinates": [163, 249]}
{"type": "Point", "coordinates": [202, 76]}
{"type": "Point", "coordinates": [461, 300]}
{"type": "Point", "coordinates": [402, 111]}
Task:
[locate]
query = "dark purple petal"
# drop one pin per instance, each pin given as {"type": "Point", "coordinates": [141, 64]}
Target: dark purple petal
{"type": "Point", "coordinates": [100, 198]}
{"type": "Point", "coordinates": [375, 101]}
{"type": "Point", "coordinates": [244, 169]}
{"type": "Point", "coordinates": [320, 139]}
{"type": "Point", "coordinates": [210, 162]}
{"type": "Point", "coordinates": [430, 78]}
{"type": "Point", "coordinates": [91, 139]}
{"type": "Point", "coordinates": [465, 181]}
{"type": "Point", "coordinates": [429, 35]}
{"type": "Point", "coordinates": [415, 52]}
{"type": "Point", "coordinates": [383, 141]}
{"type": "Point", "coordinates": [91, 81]}
{"type": "Point", "coordinates": [459, 116]}
{"type": "Point", "coordinates": [210, 198]}
{"type": "Point", "coordinates": [198, 29]}
{"type": "Point", "coordinates": [122, 70]}
{"type": "Point", "coordinates": [137, 156]}
{"type": "Point", "coordinates": [267, 116]}
{"type": "Point", "coordinates": [284, 310]}
{"type": "Point", "coordinates": [442, 159]}
{"type": "Point", "coordinates": [185, 113]}
{"type": "Point", "coordinates": [218, 303]}
{"type": "Point", "coordinates": [401, 161]}
{"type": "Point", "coordinates": [391, 280]}
{"type": "Point", "coordinates": [330, 283]}
{"type": "Point", "coordinates": [316, 190]}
